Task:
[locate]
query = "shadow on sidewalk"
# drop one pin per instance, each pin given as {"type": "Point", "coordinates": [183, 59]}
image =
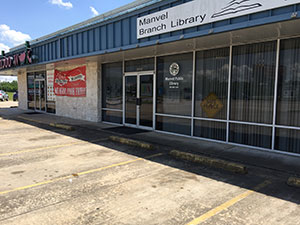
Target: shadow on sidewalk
{"type": "Point", "coordinates": [86, 131]}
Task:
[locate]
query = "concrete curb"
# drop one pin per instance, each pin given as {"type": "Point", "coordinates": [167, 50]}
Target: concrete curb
{"type": "Point", "coordinates": [211, 162]}
{"type": "Point", "coordinates": [131, 142]}
{"type": "Point", "coordinates": [294, 182]}
{"type": "Point", "coordinates": [62, 126]}
{"type": "Point", "coordinates": [28, 119]}
{"type": "Point", "coordinates": [56, 125]}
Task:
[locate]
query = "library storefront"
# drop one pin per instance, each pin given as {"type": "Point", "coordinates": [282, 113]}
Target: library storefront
{"type": "Point", "coordinates": [246, 94]}
{"type": "Point", "coordinates": [218, 70]}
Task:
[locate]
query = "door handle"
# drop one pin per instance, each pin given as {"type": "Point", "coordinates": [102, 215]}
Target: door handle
{"type": "Point", "coordinates": [138, 101]}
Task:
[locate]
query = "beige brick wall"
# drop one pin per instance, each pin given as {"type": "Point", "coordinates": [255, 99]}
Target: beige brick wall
{"type": "Point", "coordinates": [84, 108]}
{"type": "Point", "coordinates": [22, 89]}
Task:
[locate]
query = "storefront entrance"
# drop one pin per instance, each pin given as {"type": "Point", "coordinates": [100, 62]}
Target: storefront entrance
{"type": "Point", "coordinates": [138, 98]}
{"type": "Point", "coordinates": [40, 95]}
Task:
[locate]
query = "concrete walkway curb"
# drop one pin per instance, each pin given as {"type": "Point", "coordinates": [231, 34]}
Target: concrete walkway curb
{"type": "Point", "coordinates": [62, 126]}
{"type": "Point", "coordinates": [131, 142]}
{"type": "Point", "coordinates": [56, 125]}
{"type": "Point", "coordinates": [28, 119]}
{"type": "Point", "coordinates": [294, 182]}
{"type": "Point", "coordinates": [211, 162]}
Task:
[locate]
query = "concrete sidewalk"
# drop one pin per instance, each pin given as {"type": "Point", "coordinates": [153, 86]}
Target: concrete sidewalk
{"type": "Point", "coordinates": [248, 156]}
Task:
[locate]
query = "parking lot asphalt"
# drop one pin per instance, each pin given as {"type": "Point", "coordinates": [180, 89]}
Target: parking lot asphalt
{"type": "Point", "coordinates": [54, 176]}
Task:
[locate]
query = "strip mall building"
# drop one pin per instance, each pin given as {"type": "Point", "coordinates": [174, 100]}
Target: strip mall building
{"type": "Point", "coordinates": [218, 70]}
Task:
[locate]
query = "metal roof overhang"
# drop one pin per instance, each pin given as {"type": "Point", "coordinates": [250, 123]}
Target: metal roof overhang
{"type": "Point", "coordinates": [268, 32]}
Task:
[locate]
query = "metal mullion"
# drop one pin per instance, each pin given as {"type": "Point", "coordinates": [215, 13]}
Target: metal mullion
{"type": "Point", "coordinates": [251, 123]}
{"type": "Point", "coordinates": [154, 95]}
{"type": "Point", "coordinates": [123, 86]}
{"type": "Point", "coordinates": [148, 72]}
{"type": "Point", "coordinates": [40, 92]}
{"type": "Point", "coordinates": [114, 110]}
{"type": "Point", "coordinates": [275, 93]}
{"type": "Point", "coordinates": [138, 94]}
{"type": "Point", "coordinates": [174, 116]}
{"type": "Point", "coordinates": [124, 98]}
{"type": "Point", "coordinates": [287, 127]}
{"type": "Point", "coordinates": [34, 94]}
{"type": "Point", "coordinates": [193, 93]}
{"type": "Point", "coordinates": [209, 119]}
{"type": "Point", "coordinates": [228, 92]}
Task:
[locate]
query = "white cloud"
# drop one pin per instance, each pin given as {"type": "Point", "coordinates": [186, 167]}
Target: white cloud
{"type": "Point", "coordinates": [8, 78]}
{"type": "Point", "coordinates": [3, 47]}
{"type": "Point", "coordinates": [11, 36]}
{"type": "Point", "coordinates": [94, 11]}
{"type": "Point", "coordinates": [67, 5]}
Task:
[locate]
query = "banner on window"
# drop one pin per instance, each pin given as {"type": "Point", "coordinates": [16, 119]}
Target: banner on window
{"type": "Point", "coordinates": [70, 83]}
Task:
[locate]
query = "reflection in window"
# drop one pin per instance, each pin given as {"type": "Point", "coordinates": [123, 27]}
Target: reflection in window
{"type": "Point", "coordinates": [251, 135]}
{"type": "Point", "coordinates": [252, 87]}
{"type": "Point", "coordinates": [112, 86]}
{"type": "Point", "coordinates": [287, 140]}
{"type": "Point", "coordinates": [211, 90]}
{"type": "Point", "coordinates": [139, 65]}
{"type": "Point", "coordinates": [112, 116]}
{"type": "Point", "coordinates": [210, 129]}
{"type": "Point", "coordinates": [174, 125]}
{"type": "Point", "coordinates": [174, 92]}
{"type": "Point", "coordinates": [288, 106]}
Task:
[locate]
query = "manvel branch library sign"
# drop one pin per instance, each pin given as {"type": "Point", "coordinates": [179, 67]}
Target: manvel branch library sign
{"type": "Point", "coordinates": [200, 12]}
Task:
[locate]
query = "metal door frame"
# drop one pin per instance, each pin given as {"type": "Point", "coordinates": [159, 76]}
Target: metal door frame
{"type": "Point", "coordinates": [138, 75]}
{"type": "Point", "coordinates": [40, 102]}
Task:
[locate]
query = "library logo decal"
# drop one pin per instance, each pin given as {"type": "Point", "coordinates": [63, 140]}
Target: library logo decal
{"type": "Point", "coordinates": [236, 6]}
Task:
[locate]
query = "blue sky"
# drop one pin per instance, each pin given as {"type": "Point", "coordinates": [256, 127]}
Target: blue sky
{"type": "Point", "coordinates": [23, 20]}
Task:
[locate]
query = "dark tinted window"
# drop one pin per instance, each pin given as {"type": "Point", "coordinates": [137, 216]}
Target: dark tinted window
{"type": "Point", "coordinates": [174, 92]}
{"type": "Point", "coordinates": [112, 86]}
{"type": "Point", "coordinates": [139, 65]}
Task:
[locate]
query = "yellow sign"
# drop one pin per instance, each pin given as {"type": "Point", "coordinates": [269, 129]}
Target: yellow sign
{"type": "Point", "coordinates": [211, 105]}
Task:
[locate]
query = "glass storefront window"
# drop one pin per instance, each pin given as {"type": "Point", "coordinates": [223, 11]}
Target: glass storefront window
{"type": "Point", "coordinates": [174, 84]}
{"type": "Point", "coordinates": [211, 90]}
{"type": "Point", "coordinates": [287, 140]}
{"type": "Point", "coordinates": [139, 65]}
{"type": "Point", "coordinates": [112, 116]}
{"type": "Point", "coordinates": [112, 86]}
{"type": "Point", "coordinates": [252, 85]}
{"type": "Point", "coordinates": [173, 125]}
{"type": "Point", "coordinates": [251, 135]}
{"type": "Point", "coordinates": [210, 130]}
{"type": "Point", "coordinates": [288, 101]}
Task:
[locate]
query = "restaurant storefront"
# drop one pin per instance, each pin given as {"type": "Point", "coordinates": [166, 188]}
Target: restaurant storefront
{"type": "Point", "coordinates": [217, 74]}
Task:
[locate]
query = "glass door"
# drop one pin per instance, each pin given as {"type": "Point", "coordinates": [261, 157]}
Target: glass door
{"type": "Point", "coordinates": [36, 95]}
{"type": "Point", "coordinates": [131, 100]}
{"type": "Point", "coordinates": [139, 100]}
{"type": "Point", "coordinates": [40, 95]}
{"type": "Point", "coordinates": [146, 100]}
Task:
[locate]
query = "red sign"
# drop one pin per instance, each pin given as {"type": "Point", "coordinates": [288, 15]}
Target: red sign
{"type": "Point", "coordinates": [16, 60]}
{"type": "Point", "coordinates": [70, 83]}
